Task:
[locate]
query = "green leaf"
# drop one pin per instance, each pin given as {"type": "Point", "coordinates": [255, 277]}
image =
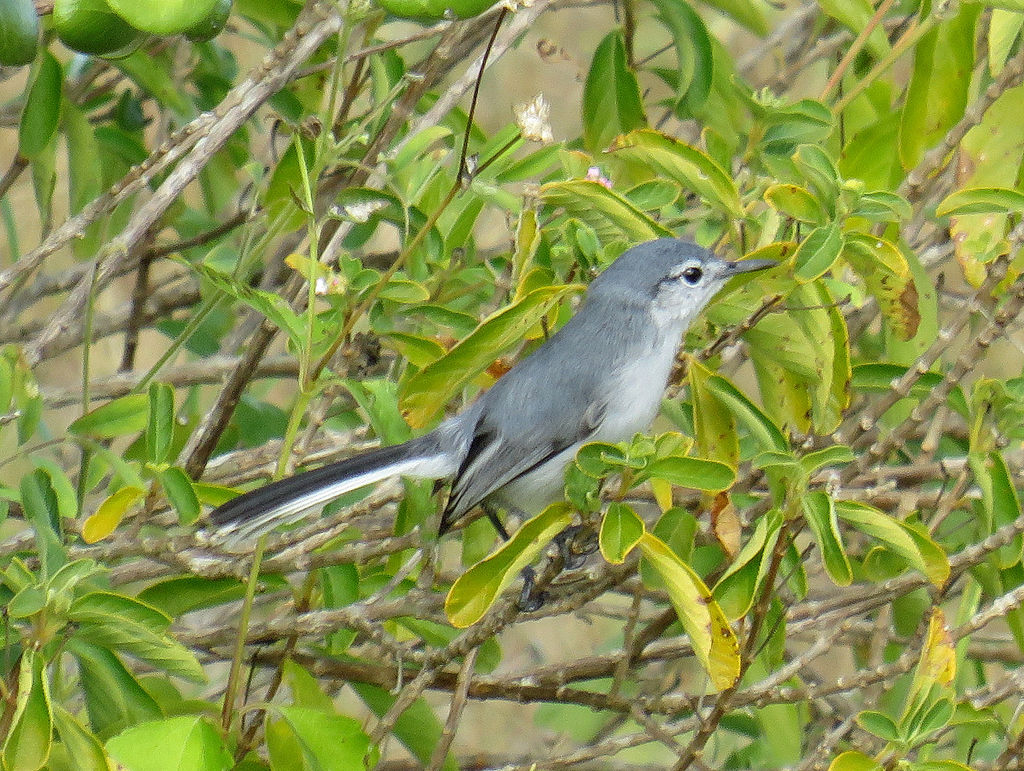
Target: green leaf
{"type": "Point", "coordinates": [834, 455]}
{"type": "Point", "coordinates": [820, 171]}
{"type": "Point", "coordinates": [119, 417]}
{"type": "Point", "coordinates": [67, 500]}
{"type": "Point", "coordinates": [695, 473]}
{"type": "Point", "coordinates": [881, 725]}
{"type": "Point", "coordinates": [981, 200]}
{"type": "Point", "coordinates": [110, 512]}
{"type": "Point", "coordinates": [879, 378]}
{"type": "Point", "coordinates": [677, 529]}
{"type": "Point", "coordinates": [621, 530]}
{"type": "Point", "coordinates": [305, 690]}
{"type": "Point", "coordinates": [796, 202]}
{"type": "Point", "coordinates": [693, 53]}
{"type": "Point", "coordinates": [19, 32]}
{"type": "Point", "coordinates": [1002, 504]}
{"type": "Point", "coordinates": [185, 743]}
{"type": "Point", "coordinates": [181, 494]}
{"type": "Point", "coordinates": [425, 394]}
{"type": "Point", "coordinates": [940, 84]}
{"type": "Point", "coordinates": [80, 744]}
{"type": "Point", "coordinates": [418, 729]}
{"type": "Point", "coordinates": [609, 213]}
{"type": "Point", "coordinates": [738, 587]}
{"type": "Point", "coordinates": [168, 17]}
{"type": "Point", "coordinates": [122, 623]}
{"type": "Point", "coordinates": [653, 194]}
{"type": "Point", "coordinates": [714, 425]}
{"type": "Point", "coordinates": [713, 639]}
{"type": "Point", "coordinates": [42, 108]}
{"type": "Point", "coordinates": [916, 548]}
{"type": "Point", "coordinates": [882, 205]}
{"type": "Point", "coordinates": [764, 431]}
{"type": "Point", "coordinates": [61, 587]}
{"type": "Point", "coordinates": [30, 736]}
{"type": "Point", "coordinates": [160, 428]}
{"type": "Point", "coordinates": [176, 596]}
{"type": "Point", "coordinates": [153, 74]}
{"type": "Point", "coordinates": [789, 126]}
{"type": "Point", "coordinates": [820, 514]}
{"type": "Point", "coordinates": [855, 15]}
{"type": "Point", "coordinates": [686, 165]}
{"type": "Point", "coordinates": [85, 170]}
{"type": "Point", "coordinates": [114, 699]}
{"type": "Point", "coordinates": [40, 504]}
{"type": "Point", "coordinates": [27, 602]}
{"type": "Point", "coordinates": [611, 95]}
{"type": "Point", "coordinates": [818, 251]}
{"type": "Point", "coordinates": [749, 13]}
{"type": "Point", "coordinates": [928, 721]}
{"type": "Point", "coordinates": [473, 593]}
{"type": "Point", "coordinates": [404, 291]}
{"type": "Point", "coordinates": [271, 305]}
{"type": "Point", "coordinates": [90, 27]}
{"type": "Point", "coordinates": [327, 741]}
{"type": "Point", "coordinates": [102, 607]}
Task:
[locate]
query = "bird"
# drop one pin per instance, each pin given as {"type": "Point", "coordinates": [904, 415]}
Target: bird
{"type": "Point", "coordinates": [600, 377]}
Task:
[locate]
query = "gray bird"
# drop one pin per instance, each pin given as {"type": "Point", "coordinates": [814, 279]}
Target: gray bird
{"type": "Point", "coordinates": [601, 377]}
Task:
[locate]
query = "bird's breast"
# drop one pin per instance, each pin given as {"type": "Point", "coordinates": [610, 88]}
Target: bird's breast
{"type": "Point", "coordinates": [636, 398]}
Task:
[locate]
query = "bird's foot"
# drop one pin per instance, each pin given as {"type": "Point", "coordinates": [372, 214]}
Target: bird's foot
{"type": "Point", "coordinates": [575, 544]}
{"type": "Point", "coordinates": [530, 600]}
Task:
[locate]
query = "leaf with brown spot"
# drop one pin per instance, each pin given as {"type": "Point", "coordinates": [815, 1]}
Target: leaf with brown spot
{"type": "Point", "coordinates": [725, 523]}
{"type": "Point", "coordinates": [887, 276]}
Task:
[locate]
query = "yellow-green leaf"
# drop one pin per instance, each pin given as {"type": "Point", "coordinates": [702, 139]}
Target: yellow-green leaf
{"type": "Point", "coordinates": [714, 426]}
{"type": "Point", "coordinates": [610, 214]}
{"type": "Point", "coordinates": [796, 202]}
{"type": "Point", "coordinates": [621, 531]}
{"type": "Point", "coordinates": [818, 251]}
{"type": "Point", "coordinates": [426, 392]}
{"type": "Point", "coordinates": [982, 200]}
{"type": "Point", "coordinates": [915, 547]}
{"type": "Point", "coordinates": [820, 514]}
{"type": "Point", "coordinates": [475, 591]}
{"type": "Point", "coordinates": [695, 473]}
{"type": "Point", "coordinates": [108, 515]}
{"type": "Point", "coordinates": [713, 640]}
{"type": "Point", "coordinates": [887, 275]}
{"type": "Point", "coordinates": [30, 736]}
{"type": "Point", "coordinates": [121, 416]}
{"type": "Point", "coordinates": [854, 761]}
{"type": "Point", "coordinates": [687, 165]}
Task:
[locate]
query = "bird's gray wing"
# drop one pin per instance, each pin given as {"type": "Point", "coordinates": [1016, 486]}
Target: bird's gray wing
{"type": "Point", "coordinates": [499, 454]}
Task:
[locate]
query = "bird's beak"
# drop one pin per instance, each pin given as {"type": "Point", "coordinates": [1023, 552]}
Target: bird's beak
{"type": "Point", "coordinates": [747, 266]}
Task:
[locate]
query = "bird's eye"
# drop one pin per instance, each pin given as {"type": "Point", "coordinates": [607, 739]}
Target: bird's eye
{"type": "Point", "coordinates": [692, 274]}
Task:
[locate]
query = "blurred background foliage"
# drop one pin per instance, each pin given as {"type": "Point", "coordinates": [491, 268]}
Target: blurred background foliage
{"type": "Point", "coordinates": [239, 238]}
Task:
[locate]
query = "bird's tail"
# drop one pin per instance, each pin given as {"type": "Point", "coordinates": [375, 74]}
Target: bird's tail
{"type": "Point", "coordinates": [290, 499]}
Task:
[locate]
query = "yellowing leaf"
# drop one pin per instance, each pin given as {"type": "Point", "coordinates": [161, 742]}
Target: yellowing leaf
{"type": "Point", "coordinates": [475, 591]}
{"type": "Point", "coordinates": [938, 656]}
{"type": "Point", "coordinates": [713, 640]}
{"type": "Point", "coordinates": [110, 513]}
{"type": "Point", "coordinates": [887, 275]}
